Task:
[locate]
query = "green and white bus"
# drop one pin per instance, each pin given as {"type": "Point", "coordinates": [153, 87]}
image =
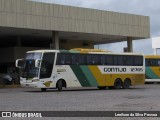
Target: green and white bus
{"type": "Point", "coordinates": [47, 69]}
{"type": "Point", "coordinates": [152, 68]}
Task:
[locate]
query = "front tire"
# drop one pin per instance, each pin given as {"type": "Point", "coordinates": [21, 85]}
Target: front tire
{"type": "Point", "coordinates": [59, 85]}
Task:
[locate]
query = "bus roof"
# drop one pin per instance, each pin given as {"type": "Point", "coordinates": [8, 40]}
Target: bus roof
{"type": "Point", "coordinates": [42, 51]}
{"type": "Point", "coordinates": [152, 56]}
{"type": "Point", "coordinates": [86, 51]}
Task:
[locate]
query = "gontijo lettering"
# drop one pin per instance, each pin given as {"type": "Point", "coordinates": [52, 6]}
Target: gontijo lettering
{"type": "Point", "coordinates": [112, 69]}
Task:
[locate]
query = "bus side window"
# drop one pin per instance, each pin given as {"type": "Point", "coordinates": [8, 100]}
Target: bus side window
{"type": "Point", "coordinates": [93, 59]}
{"type": "Point", "coordinates": [68, 59]}
{"type": "Point", "coordinates": [158, 62]}
{"type": "Point", "coordinates": [60, 59]}
{"type": "Point", "coordinates": [109, 60]}
{"type": "Point", "coordinates": [154, 62]}
{"type": "Point", "coordinates": [128, 60]}
{"type": "Point", "coordinates": [118, 60]}
{"type": "Point", "coordinates": [102, 58]}
{"type": "Point", "coordinates": [83, 59]}
{"type": "Point", "coordinates": [97, 59]}
{"type": "Point", "coordinates": [138, 61]}
{"type": "Point", "coordinates": [148, 62]}
{"type": "Point", "coordinates": [89, 60]}
{"type": "Point", "coordinates": [75, 59]}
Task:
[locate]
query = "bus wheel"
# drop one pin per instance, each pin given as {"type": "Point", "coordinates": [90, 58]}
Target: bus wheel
{"type": "Point", "coordinates": [101, 88]}
{"type": "Point", "coordinates": [59, 85]}
{"type": "Point", "coordinates": [126, 84]}
{"type": "Point", "coordinates": [43, 89]}
{"type": "Point", "coordinates": [117, 84]}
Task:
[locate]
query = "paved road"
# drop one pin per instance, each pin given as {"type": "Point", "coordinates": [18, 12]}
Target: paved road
{"type": "Point", "coordinates": [138, 98]}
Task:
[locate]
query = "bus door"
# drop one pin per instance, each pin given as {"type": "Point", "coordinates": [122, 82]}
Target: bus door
{"type": "Point", "coordinates": [47, 68]}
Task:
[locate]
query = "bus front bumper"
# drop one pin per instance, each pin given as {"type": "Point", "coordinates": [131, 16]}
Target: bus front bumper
{"type": "Point", "coordinates": [29, 85]}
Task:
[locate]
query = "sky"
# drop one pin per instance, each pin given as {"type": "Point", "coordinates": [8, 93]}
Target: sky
{"type": "Point", "coordinates": [149, 8]}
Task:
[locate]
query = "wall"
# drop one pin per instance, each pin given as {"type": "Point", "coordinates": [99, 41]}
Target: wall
{"type": "Point", "coordinates": [70, 44]}
{"type": "Point", "coordinates": [36, 15]}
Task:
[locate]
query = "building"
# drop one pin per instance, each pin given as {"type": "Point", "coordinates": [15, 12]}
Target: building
{"type": "Point", "coordinates": [27, 25]}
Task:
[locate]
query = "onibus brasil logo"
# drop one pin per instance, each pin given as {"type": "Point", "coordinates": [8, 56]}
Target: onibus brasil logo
{"type": "Point", "coordinates": [21, 114]}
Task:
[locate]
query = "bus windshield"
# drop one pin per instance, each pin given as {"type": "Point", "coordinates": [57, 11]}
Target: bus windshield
{"type": "Point", "coordinates": [29, 70]}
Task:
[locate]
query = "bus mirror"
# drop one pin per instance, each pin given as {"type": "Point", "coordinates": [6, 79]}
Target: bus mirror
{"type": "Point", "coordinates": [37, 63]}
{"type": "Point", "coordinates": [19, 63]}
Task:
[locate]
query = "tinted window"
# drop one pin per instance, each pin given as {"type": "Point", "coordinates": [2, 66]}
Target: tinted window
{"type": "Point", "coordinates": [71, 59]}
{"type": "Point", "coordinates": [68, 59]}
{"type": "Point", "coordinates": [98, 59]}
{"type": "Point", "coordinates": [60, 59]}
{"type": "Point", "coordinates": [64, 59]}
{"type": "Point", "coordinates": [93, 60]}
{"type": "Point", "coordinates": [119, 60]}
{"type": "Point", "coordinates": [47, 65]}
{"type": "Point", "coordinates": [109, 60]}
{"type": "Point", "coordinates": [79, 59]}
{"type": "Point", "coordinates": [152, 62]}
{"type": "Point", "coordinates": [75, 59]}
{"type": "Point", "coordinates": [138, 60]}
{"type": "Point", "coordinates": [128, 60]}
{"type": "Point", "coordinates": [83, 59]}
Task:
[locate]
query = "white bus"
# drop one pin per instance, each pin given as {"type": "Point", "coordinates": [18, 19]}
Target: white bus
{"type": "Point", "coordinates": [47, 69]}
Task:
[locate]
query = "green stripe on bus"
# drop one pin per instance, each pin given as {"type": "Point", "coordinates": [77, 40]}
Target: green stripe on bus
{"type": "Point", "coordinates": [64, 51]}
{"type": "Point", "coordinates": [91, 79]}
{"type": "Point", "coordinates": [150, 73]}
{"type": "Point", "coordinates": [80, 75]}
{"type": "Point", "coordinates": [72, 51]}
{"type": "Point", "coordinates": [68, 51]}
{"type": "Point", "coordinates": [147, 77]}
